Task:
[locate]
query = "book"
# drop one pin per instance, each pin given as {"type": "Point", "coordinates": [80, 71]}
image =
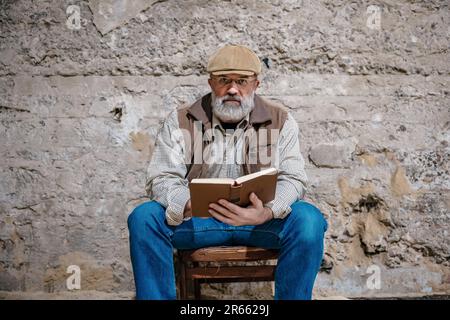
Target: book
{"type": "Point", "coordinates": [208, 190]}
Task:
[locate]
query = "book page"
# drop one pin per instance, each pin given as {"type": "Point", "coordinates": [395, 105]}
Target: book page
{"type": "Point", "coordinates": [256, 174]}
{"type": "Point", "coordinates": [213, 180]}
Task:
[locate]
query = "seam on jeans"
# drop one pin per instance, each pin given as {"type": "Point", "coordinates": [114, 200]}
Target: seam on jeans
{"type": "Point", "coordinates": [260, 231]}
{"type": "Point", "coordinates": [203, 229]}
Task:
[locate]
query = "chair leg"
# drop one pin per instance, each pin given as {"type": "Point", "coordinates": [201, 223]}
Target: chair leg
{"type": "Point", "coordinates": [197, 290]}
{"type": "Point", "coordinates": [183, 281]}
{"type": "Point", "coordinates": [196, 284]}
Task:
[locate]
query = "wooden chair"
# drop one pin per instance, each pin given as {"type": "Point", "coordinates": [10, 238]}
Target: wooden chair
{"type": "Point", "coordinates": [213, 270]}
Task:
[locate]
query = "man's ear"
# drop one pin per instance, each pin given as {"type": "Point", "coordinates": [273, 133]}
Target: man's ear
{"type": "Point", "coordinates": [210, 82]}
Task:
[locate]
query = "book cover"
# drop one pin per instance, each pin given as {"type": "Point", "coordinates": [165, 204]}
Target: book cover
{"type": "Point", "coordinates": [205, 191]}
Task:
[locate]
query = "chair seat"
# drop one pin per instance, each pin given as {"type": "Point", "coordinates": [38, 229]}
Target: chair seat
{"type": "Point", "coordinates": [235, 253]}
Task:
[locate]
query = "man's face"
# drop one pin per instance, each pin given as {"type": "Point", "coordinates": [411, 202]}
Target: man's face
{"type": "Point", "coordinates": [232, 96]}
{"type": "Point", "coordinates": [233, 84]}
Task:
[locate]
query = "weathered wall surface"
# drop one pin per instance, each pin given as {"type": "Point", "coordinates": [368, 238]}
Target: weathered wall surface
{"type": "Point", "coordinates": [85, 84]}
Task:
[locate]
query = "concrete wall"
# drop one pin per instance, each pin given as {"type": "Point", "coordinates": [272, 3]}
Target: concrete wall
{"type": "Point", "coordinates": [84, 86]}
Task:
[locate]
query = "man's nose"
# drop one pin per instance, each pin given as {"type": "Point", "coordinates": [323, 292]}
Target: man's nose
{"type": "Point", "coordinates": [232, 90]}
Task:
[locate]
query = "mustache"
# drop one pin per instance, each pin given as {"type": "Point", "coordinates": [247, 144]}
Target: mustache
{"type": "Point", "coordinates": [230, 98]}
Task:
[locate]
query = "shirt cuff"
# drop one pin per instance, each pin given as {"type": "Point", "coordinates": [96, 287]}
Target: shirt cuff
{"type": "Point", "coordinates": [176, 205]}
{"type": "Point", "coordinates": [279, 211]}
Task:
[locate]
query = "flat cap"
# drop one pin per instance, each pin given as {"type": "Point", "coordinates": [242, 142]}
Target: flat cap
{"type": "Point", "coordinates": [234, 59]}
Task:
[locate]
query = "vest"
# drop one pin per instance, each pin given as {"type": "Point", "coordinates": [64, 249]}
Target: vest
{"type": "Point", "coordinates": [196, 119]}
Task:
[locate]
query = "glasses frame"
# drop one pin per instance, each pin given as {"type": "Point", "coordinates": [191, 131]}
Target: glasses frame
{"type": "Point", "coordinates": [229, 81]}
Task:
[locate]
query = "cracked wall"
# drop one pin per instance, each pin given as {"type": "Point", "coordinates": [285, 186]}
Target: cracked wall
{"type": "Point", "coordinates": [84, 86]}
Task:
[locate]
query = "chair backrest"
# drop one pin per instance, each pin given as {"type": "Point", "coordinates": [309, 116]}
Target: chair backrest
{"type": "Point", "coordinates": [190, 270]}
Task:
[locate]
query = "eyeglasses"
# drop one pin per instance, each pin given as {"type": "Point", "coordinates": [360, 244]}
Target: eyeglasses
{"type": "Point", "coordinates": [240, 82]}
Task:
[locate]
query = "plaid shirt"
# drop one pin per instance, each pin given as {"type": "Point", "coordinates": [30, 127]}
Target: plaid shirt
{"type": "Point", "coordinates": [166, 173]}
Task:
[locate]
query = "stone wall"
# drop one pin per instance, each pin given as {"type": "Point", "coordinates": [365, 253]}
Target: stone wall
{"type": "Point", "coordinates": [84, 86]}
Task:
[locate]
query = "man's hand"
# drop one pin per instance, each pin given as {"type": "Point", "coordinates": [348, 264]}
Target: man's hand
{"type": "Point", "coordinates": [235, 215]}
{"type": "Point", "coordinates": [187, 210]}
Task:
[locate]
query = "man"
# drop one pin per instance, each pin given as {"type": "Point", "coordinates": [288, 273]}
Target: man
{"type": "Point", "coordinates": [231, 110]}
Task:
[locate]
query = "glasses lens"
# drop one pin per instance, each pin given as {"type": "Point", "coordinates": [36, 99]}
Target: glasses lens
{"type": "Point", "coordinates": [241, 82]}
{"type": "Point", "coordinates": [224, 81]}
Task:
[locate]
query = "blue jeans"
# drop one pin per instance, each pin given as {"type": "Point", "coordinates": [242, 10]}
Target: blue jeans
{"type": "Point", "coordinates": [299, 237]}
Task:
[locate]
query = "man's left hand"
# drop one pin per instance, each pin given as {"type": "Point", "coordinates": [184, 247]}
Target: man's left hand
{"type": "Point", "coordinates": [235, 215]}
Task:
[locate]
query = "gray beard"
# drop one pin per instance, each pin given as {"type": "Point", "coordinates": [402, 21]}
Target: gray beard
{"type": "Point", "coordinates": [228, 112]}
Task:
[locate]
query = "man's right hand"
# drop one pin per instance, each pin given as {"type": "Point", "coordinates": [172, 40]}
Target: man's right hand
{"type": "Point", "coordinates": [187, 210]}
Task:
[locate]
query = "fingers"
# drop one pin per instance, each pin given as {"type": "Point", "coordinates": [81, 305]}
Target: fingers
{"type": "Point", "coordinates": [255, 200]}
{"type": "Point", "coordinates": [230, 206]}
{"type": "Point", "coordinates": [187, 209]}
{"type": "Point", "coordinates": [221, 210]}
{"type": "Point", "coordinates": [222, 218]}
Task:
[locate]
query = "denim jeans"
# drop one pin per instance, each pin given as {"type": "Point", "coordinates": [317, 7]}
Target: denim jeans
{"type": "Point", "coordinates": [299, 237]}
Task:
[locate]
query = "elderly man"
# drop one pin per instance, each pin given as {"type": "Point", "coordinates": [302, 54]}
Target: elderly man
{"type": "Point", "coordinates": [287, 223]}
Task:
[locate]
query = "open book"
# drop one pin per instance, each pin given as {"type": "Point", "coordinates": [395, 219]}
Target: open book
{"type": "Point", "coordinates": [205, 191]}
